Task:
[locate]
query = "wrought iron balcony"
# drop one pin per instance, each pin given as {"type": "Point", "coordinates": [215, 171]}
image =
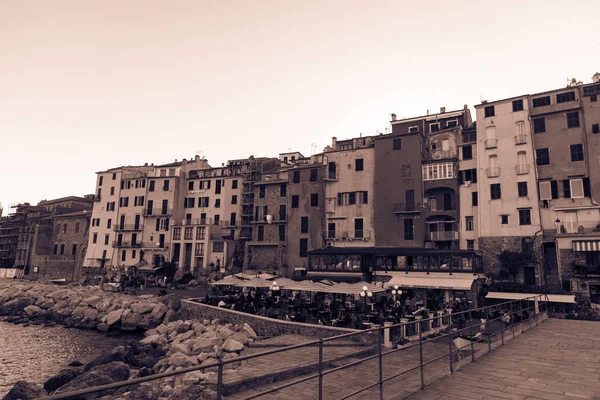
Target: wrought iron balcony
{"type": "Point", "coordinates": [491, 143]}
{"type": "Point", "coordinates": [402, 208]}
{"type": "Point", "coordinates": [521, 139]}
{"type": "Point", "coordinates": [522, 169]}
{"type": "Point", "coordinates": [442, 236]}
{"type": "Point", "coordinates": [127, 227]}
{"type": "Point", "coordinates": [492, 172]}
{"type": "Point", "coordinates": [126, 244]}
{"type": "Point", "coordinates": [157, 212]}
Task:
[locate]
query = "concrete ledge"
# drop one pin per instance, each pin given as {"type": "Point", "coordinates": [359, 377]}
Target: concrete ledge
{"type": "Point", "coordinates": [265, 326]}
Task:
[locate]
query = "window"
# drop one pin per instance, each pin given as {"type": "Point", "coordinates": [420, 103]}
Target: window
{"type": "Point", "coordinates": [517, 105]}
{"type": "Point", "coordinates": [594, 98]}
{"type": "Point", "coordinates": [445, 145]}
{"type": "Point", "coordinates": [303, 247]}
{"type": "Point", "coordinates": [573, 119]}
{"type": "Point", "coordinates": [261, 191]}
{"type": "Point", "coordinates": [527, 246]}
{"type": "Point", "coordinates": [504, 219]}
{"type": "Point", "coordinates": [495, 191]}
{"type": "Point", "coordinates": [577, 152]}
{"type": "Point", "coordinates": [564, 97]}
{"type": "Point", "coordinates": [199, 249]}
{"type": "Point", "coordinates": [468, 137]}
{"type": "Point", "coordinates": [541, 101]}
{"type": "Point", "coordinates": [177, 233]}
{"type": "Point", "coordinates": [151, 186]}
{"type": "Point", "coordinates": [260, 234]}
{"type": "Point", "coordinates": [133, 254]}
{"type": "Point", "coordinates": [191, 185]}
{"type": "Point", "coordinates": [469, 223]}
{"type": "Point", "coordinates": [331, 230]}
{"type": "Point", "coordinates": [234, 184]}
{"type": "Point", "coordinates": [232, 218]}
{"type": "Point", "coordinates": [204, 185]}
{"type": "Point", "coordinates": [112, 191]}
{"type": "Point", "coordinates": [474, 200]}
{"type": "Point", "coordinates": [123, 255]}
{"type": "Point", "coordinates": [200, 232]}
{"type": "Point", "coordinates": [95, 238]}
{"type": "Point", "coordinates": [100, 180]}
{"type": "Point", "coordinates": [451, 124]}
{"type": "Point", "coordinates": [358, 228]}
{"type": "Point", "coordinates": [434, 127]}
{"type": "Point", "coordinates": [304, 225]}
{"type": "Point", "coordinates": [234, 199]}
{"type": "Point", "coordinates": [409, 233]}
{"type": "Point", "coordinates": [217, 218]}
{"type": "Point", "coordinates": [218, 186]}
{"type": "Point", "coordinates": [539, 125]}
{"type": "Point", "coordinates": [438, 171]}
{"type": "Point", "coordinates": [412, 129]}
{"type": "Point", "coordinates": [397, 144]}
{"type": "Point", "coordinates": [189, 202]}
{"type": "Point", "coordinates": [358, 164]}
{"type": "Point", "coordinates": [295, 201]}
{"type": "Point", "coordinates": [55, 251]}
{"type": "Point", "coordinates": [525, 216]}
{"type": "Point", "coordinates": [114, 176]}
{"type": "Point", "coordinates": [467, 152]}
{"type": "Point", "coordinates": [490, 111]}
{"type": "Point", "coordinates": [74, 249]}
{"type": "Point", "coordinates": [362, 197]}
{"type": "Point", "coordinates": [296, 178]}
{"type": "Point", "coordinates": [282, 190]}
{"type": "Point", "coordinates": [314, 175]}
{"type": "Point", "coordinates": [282, 233]}
{"type": "Point", "coordinates": [106, 239]}
{"type": "Point", "coordinates": [522, 189]}
{"type": "Point", "coordinates": [542, 156]}
{"type": "Point", "coordinates": [217, 203]}
{"type": "Point", "coordinates": [282, 212]}
{"type": "Point", "coordinates": [138, 201]}
{"type": "Point", "coordinates": [166, 185]}
{"type": "Point", "coordinates": [595, 128]}
{"type": "Point", "coordinates": [218, 247]}
{"type": "Point", "coordinates": [314, 199]}
{"type": "Point", "coordinates": [470, 245]}
{"type": "Point", "coordinates": [77, 226]}
{"type": "Point", "coordinates": [203, 202]}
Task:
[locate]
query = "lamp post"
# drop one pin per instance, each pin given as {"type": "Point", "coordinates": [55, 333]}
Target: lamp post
{"type": "Point", "coordinates": [364, 294]}
{"type": "Point", "coordinates": [396, 291]}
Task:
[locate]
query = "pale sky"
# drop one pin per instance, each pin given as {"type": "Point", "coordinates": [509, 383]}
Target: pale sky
{"type": "Point", "coordinates": [94, 84]}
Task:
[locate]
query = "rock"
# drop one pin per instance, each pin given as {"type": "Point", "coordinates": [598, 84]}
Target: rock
{"type": "Point", "coordinates": [193, 283]}
{"type": "Point", "coordinates": [241, 337]}
{"type": "Point", "coordinates": [193, 392]}
{"type": "Point", "coordinates": [144, 371]}
{"type": "Point", "coordinates": [116, 354]}
{"type": "Point", "coordinates": [90, 314]}
{"type": "Point", "coordinates": [172, 301]}
{"type": "Point", "coordinates": [91, 301]}
{"type": "Point", "coordinates": [75, 364]}
{"type": "Point", "coordinates": [100, 375]}
{"type": "Point", "coordinates": [32, 310]}
{"type": "Point", "coordinates": [182, 328]}
{"type": "Point", "coordinates": [161, 329]}
{"type": "Point", "coordinates": [155, 340]}
{"type": "Point", "coordinates": [180, 348]}
{"type": "Point", "coordinates": [45, 303]}
{"type": "Point", "coordinates": [114, 317]}
{"type": "Point", "coordinates": [62, 378]}
{"type": "Point", "coordinates": [103, 305]}
{"type": "Point", "coordinates": [109, 288]}
{"type": "Point", "coordinates": [142, 307]}
{"type": "Point", "coordinates": [182, 360]}
{"type": "Point", "coordinates": [170, 316]}
{"type": "Point", "coordinates": [205, 343]}
{"type": "Point", "coordinates": [130, 321]}
{"type": "Point", "coordinates": [216, 322]}
{"type": "Point", "coordinates": [198, 328]}
{"type": "Point", "coordinates": [248, 329]}
{"type": "Point", "coordinates": [186, 335]}
{"type": "Point", "coordinates": [16, 306]}
{"type": "Point", "coordinates": [224, 332]}
{"type": "Point", "coordinates": [103, 327]}
{"type": "Point", "coordinates": [167, 391]}
{"type": "Point", "coordinates": [24, 391]}
{"type": "Point", "coordinates": [192, 377]}
{"type": "Point", "coordinates": [159, 311]}
{"type": "Point", "coordinates": [232, 345]}
{"type": "Point", "coordinates": [143, 361]}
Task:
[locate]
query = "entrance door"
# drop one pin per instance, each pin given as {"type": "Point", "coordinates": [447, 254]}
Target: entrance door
{"type": "Point", "coordinates": [187, 263]}
{"type": "Point", "coordinates": [529, 276]}
{"type": "Point", "coordinates": [176, 250]}
{"type": "Point", "coordinates": [550, 255]}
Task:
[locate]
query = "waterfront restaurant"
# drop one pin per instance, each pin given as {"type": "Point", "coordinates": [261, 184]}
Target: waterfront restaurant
{"type": "Point", "coordinates": [433, 276]}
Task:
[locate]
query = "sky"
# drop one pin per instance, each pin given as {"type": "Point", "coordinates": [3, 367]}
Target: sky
{"type": "Point", "coordinates": [90, 85]}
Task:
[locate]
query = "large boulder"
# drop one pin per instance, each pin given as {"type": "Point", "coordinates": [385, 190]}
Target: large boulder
{"type": "Point", "coordinates": [155, 340]}
{"type": "Point", "coordinates": [182, 360]}
{"type": "Point", "coordinates": [90, 314]}
{"type": "Point", "coordinates": [114, 317]}
{"type": "Point", "coordinates": [16, 306]}
{"type": "Point", "coordinates": [119, 353]}
{"type": "Point", "coordinates": [170, 316]}
{"type": "Point", "coordinates": [32, 310]}
{"type": "Point", "coordinates": [249, 331]}
{"type": "Point", "coordinates": [103, 305]}
{"type": "Point", "coordinates": [232, 345]}
{"type": "Point", "coordinates": [100, 375]}
{"type": "Point", "coordinates": [24, 391]}
{"type": "Point", "coordinates": [147, 323]}
{"type": "Point", "coordinates": [62, 378]}
{"type": "Point", "coordinates": [45, 303]}
{"type": "Point", "coordinates": [130, 321]}
{"type": "Point", "coordinates": [142, 307]}
{"type": "Point", "coordinates": [204, 344]}
{"type": "Point", "coordinates": [159, 311]}
{"type": "Point", "coordinates": [172, 301]}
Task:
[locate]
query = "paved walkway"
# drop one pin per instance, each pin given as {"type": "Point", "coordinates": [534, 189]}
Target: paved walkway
{"type": "Point", "coordinates": [560, 359]}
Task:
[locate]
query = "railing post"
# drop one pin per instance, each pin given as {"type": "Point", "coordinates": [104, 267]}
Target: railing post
{"type": "Point", "coordinates": [380, 365]}
{"type": "Point", "coordinates": [471, 336]}
{"type": "Point", "coordinates": [489, 336]}
{"type": "Point", "coordinates": [320, 369]}
{"type": "Point", "coordinates": [421, 359]}
{"type": "Point", "coordinates": [450, 351]}
{"type": "Point", "coordinates": [220, 380]}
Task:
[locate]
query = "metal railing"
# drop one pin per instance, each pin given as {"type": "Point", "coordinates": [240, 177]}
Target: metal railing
{"type": "Point", "coordinates": [407, 207]}
{"type": "Point", "coordinates": [158, 212]}
{"type": "Point", "coordinates": [446, 336]}
{"type": "Point", "coordinates": [521, 139]}
{"type": "Point", "coordinates": [127, 227]}
{"type": "Point", "coordinates": [491, 143]}
{"type": "Point", "coordinates": [443, 236]}
{"type": "Point", "coordinates": [522, 169]}
{"type": "Point", "coordinates": [492, 172]}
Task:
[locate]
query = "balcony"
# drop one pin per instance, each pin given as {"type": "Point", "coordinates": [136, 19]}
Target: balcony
{"type": "Point", "coordinates": [127, 227]}
{"type": "Point", "coordinates": [157, 212]}
{"type": "Point", "coordinates": [443, 236]}
{"type": "Point", "coordinates": [97, 197]}
{"type": "Point", "coordinates": [331, 176]}
{"type": "Point", "coordinates": [126, 244]}
{"type": "Point", "coordinates": [194, 222]}
{"type": "Point", "coordinates": [522, 169]}
{"type": "Point", "coordinates": [407, 208]}
{"type": "Point", "coordinates": [199, 253]}
{"type": "Point", "coordinates": [362, 235]}
{"type": "Point", "coordinates": [492, 172]}
{"type": "Point", "coordinates": [154, 245]}
{"type": "Point", "coordinates": [491, 143]}
{"type": "Point", "coordinates": [520, 139]}
{"type": "Point", "coordinates": [434, 208]}
{"type": "Point", "coordinates": [585, 270]}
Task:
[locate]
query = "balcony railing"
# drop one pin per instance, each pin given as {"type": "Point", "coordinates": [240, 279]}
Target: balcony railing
{"type": "Point", "coordinates": [199, 253]}
{"type": "Point", "coordinates": [127, 227]}
{"type": "Point", "coordinates": [158, 212]}
{"type": "Point", "coordinates": [154, 245]}
{"type": "Point", "coordinates": [400, 208]}
{"type": "Point", "coordinates": [126, 244]}
{"type": "Point", "coordinates": [491, 143]}
{"type": "Point", "coordinates": [521, 139]}
{"type": "Point", "coordinates": [442, 236]}
{"type": "Point", "coordinates": [362, 234]}
{"type": "Point", "coordinates": [522, 169]}
{"type": "Point", "coordinates": [194, 222]}
{"type": "Point", "coordinates": [492, 172]}
{"type": "Point", "coordinates": [438, 207]}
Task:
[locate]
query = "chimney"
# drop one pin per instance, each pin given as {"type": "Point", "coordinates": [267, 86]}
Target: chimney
{"type": "Point", "coordinates": [596, 77]}
{"type": "Point", "coordinates": [334, 143]}
{"type": "Point", "coordinates": [465, 107]}
{"type": "Point", "coordinates": [196, 157]}
{"type": "Point", "coordinates": [427, 112]}
{"type": "Point", "coordinates": [393, 117]}
{"type": "Point", "coordinates": [442, 110]}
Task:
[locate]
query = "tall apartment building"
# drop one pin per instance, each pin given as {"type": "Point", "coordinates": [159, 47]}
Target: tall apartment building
{"type": "Point", "coordinates": [507, 211]}
{"type": "Point", "coordinates": [468, 189]}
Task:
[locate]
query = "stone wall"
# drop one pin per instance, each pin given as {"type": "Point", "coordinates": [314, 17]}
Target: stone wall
{"type": "Point", "coordinates": [262, 325]}
{"type": "Point", "coordinates": [491, 247]}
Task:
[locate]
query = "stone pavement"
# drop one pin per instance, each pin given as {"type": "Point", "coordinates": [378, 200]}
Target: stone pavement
{"type": "Point", "coordinates": [559, 359]}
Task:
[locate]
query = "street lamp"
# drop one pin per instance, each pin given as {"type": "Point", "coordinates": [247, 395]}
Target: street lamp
{"type": "Point", "coordinates": [364, 294]}
{"type": "Point", "coordinates": [396, 291]}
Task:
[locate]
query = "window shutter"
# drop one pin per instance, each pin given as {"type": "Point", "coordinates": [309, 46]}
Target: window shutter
{"type": "Point", "coordinates": [577, 191]}
{"type": "Point", "coordinates": [586, 187]}
{"type": "Point", "coordinates": [166, 224]}
{"type": "Point", "coordinates": [554, 189]}
{"type": "Point", "coordinates": [474, 175]}
{"type": "Point", "coordinates": [545, 191]}
{"type": "Point", "coordinates": [157, 224]}
{"type": "Point", "coordinates": [339, 199]}
{"type": "Point", "coordinates": [566, 188]}
{"type": "Point", "coordinates": [366, 196]}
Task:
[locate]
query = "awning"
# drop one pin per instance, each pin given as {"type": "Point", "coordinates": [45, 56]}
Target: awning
{"type": "Point", "coordinates": [553, 298]}
{"type": "Point", "coordinates": [233, 280]}
{"type": "Point", "coordinates": [586, 245]}
{"type": "Point", "coordinates": [148, 268]}
{"type": "Point", "coordinates": [433, 280]}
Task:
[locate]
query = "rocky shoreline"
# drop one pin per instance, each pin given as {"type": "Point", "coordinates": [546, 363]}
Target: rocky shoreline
{"type": "Point", "coordinates": [170, 343]}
